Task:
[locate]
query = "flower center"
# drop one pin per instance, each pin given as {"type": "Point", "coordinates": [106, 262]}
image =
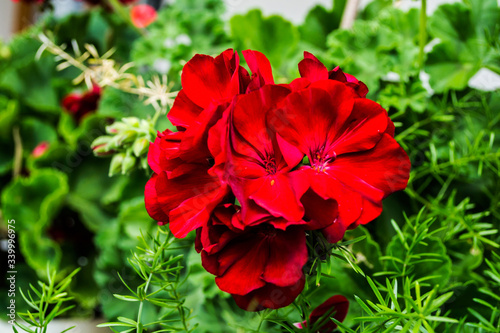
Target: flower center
{"type": "Point", "coordinates": [270, 165]}
{"type": "Point", "coordinates": [267, 230]}
{"type": "Point", "coordinates": [320, 160]}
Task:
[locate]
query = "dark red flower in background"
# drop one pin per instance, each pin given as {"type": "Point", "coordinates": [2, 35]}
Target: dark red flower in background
{"type": "Point", "coordinates": [79, 105]}
{"type": "Point", "coordinates": [336, 307]}
{"type": "Point", "coordinates": [255, 166]}
{"type": "Point", "coordinates": [30, 1]}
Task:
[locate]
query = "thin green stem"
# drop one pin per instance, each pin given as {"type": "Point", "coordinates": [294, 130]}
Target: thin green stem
{"type": "Point", "coordinates": [139, 313]}
{"type": "Point", "coordinates": [18, 153]}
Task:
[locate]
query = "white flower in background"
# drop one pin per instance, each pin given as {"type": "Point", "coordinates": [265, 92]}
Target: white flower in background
{"type": "Point", "coordinates": [391, 77]}
{"type": "Point", "coordinates": [169, 43]}
{"type": "Point", "coordinates": [183, 39]}
{"type": "Point", "coordinates": [428, 48]}
{"type": "Point", "coordinates": [485, 79]}
{"type": "Point", "coordinates": [162, 66]}
{"type": "Point", "coordinates": [424, 78]}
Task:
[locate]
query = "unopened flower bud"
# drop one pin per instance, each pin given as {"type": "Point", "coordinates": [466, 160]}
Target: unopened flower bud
{"type": "Point", "coordinates": [140, 147]}
{"type": "Point", "coordinates": [102, 150]}
{"type": "Point", "coordinates": [116, 127]}
{"type": "Point", "coordinates": [144, 163]}
{"type": "Point", "coordinates": [116, 164]}
{"type": "Point", "coordinates": [125, 137]}
{"type": "Point", "coordinates": [128, 163]}
{"type": "Point", "coordinates": [131, 121]}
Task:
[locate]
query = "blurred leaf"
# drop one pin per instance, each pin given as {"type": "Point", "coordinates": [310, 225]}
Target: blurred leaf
{"type": "Point", "coordinates": [35, 200]}
{"type": "Point", "coordinates": [134, 218]}
{"type": "Point", "coordinates": [183, 28]}
{"type": "Point", "coordinates": [274, 36]}
{"type": "Point", "coordinates": [34, 131]}
{"type": "Point", "coordinates": [319, 22]}
{"type": "Point", "coordinates": [463, 48]}
{"type": "Point", "coordinates": [9, 110]}
{"type": "Point", "coordinates": [367, 251]}
{"type": "Point", "coordinates": [404, 96]}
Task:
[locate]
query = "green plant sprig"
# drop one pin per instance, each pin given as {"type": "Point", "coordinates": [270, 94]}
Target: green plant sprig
{"type": "Point", "coordinates": [47, 303]}
{"type": "Point", "coordinates": [156, 263]}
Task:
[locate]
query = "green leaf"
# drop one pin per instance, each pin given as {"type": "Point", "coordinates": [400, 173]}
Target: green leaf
{"type": "Point", "coordinates": [320, 22]}
{"type": "Point", "coordinates": [404, 96]}
{"type": "Point", "coordinates": [463, 47]}
{"type": "Point", "coordinates": [9, 110]}
{"type": "Point", "coordinates": [183, 28]}
{"type": "Point", "coordinates": [35, 200]}
{"type": "Point", "coordinates": [34, 131]}
{"type": "Point", "coordinates": [274, 36]}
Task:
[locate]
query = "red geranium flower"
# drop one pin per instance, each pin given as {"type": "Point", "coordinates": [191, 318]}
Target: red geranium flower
{"type": "Point", "coordinates": [353, 160]}
{"type": "Point", "coordinates": [185, 187]}
{"type": "Point", "coordinates": [79, 105]}
{"type": "Point", "coordinates": [261, 267]}
{"type": "Point", "coordinates": [312, 154]}
{"type": "Point", "coordinates": [336, 307]}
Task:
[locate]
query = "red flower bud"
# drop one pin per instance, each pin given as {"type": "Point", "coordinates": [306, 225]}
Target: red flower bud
{"type": "Point", "coordinates": [40, 149]}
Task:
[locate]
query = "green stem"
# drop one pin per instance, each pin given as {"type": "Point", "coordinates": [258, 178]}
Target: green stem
{"type": "Point", "coordinates": [423, 33]}
{"type": "Point", "coordinates": [18, 153]}
{"type": "Point", "coordinates": [139, 314]}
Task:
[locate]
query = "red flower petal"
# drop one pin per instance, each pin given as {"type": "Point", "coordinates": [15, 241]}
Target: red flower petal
{"type": "Point", "coordinates": [241, 266]}
{"type": "Point", "coordinates": [309, 115]}
{"type": "Point", "coordinates": [151, 199]}
{"type": "Point", "coordinates": [287, 256]}
{"type": "Point", "coordinates": [386, 167]}
{"type": "Point", "coordinates": [336, 307]}
{"type": "Point", "coordinates": [261, 69]}
{"type": "Point", "coordinates": [276, 194]}
{"type": "Point", "coordinates": [189, 199]}
{"type": "Point", "coordinates": [205, 80]}
{"type": "Point", "coordinates": [184, 112]}
{"type": "Point", "coordinates": [312, 69]}
{"type": "Point", "coordinates": [363, 129]}
{"type": "Point", "coordinates": [270, 297]}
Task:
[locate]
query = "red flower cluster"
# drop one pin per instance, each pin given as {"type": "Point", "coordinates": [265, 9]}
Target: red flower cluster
{"type": "Point", "coordinates": [79, 105]}
{"type": "Point", "coordinates": [256, 165]}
